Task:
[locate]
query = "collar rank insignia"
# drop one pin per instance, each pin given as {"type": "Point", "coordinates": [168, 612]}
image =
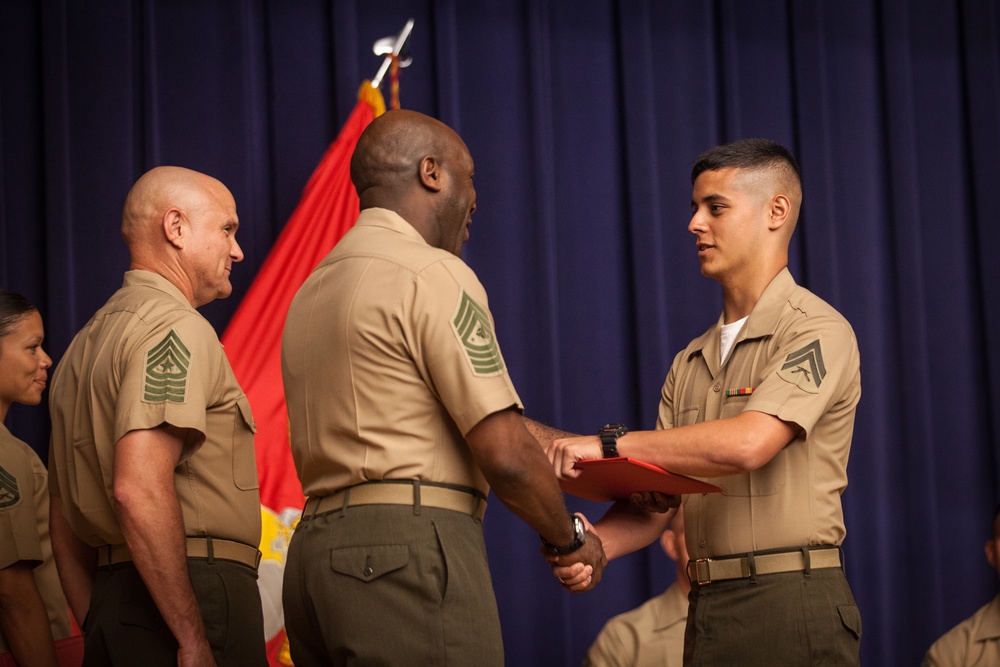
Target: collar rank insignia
{"type": "Point", "coordinates": [805, 367]}
{"type": "Point", "coordinates": [471, 324]}
{"type": "Point", "coordinates": [9, 493]}
{"type": "Point", "coordinates": [167, 370]}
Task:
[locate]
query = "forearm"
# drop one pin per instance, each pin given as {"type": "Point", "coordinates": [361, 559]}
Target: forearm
{"type": "Point", "coordinates": [76, 561]}
{"type": "Point", "coordinates": [545, 434]}
{"type": "Point", "coordinates": [533, 494]}
{"type": "Point", "coordinates": [714, 448]}
{"type": "Point", "coordinates": [520, 475]}
{"type": "Point", "coordinates": [154, 531]}
{"type": "Point", "coordinates": [24, 622]}
{"type": "Point", "coordinates": [625, 528]}
{"type": "Point", "coordinates": [146, 504]}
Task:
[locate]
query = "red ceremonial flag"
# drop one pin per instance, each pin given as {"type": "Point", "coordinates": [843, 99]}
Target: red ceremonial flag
{"type": "Point", "coordinates": [328, 208]}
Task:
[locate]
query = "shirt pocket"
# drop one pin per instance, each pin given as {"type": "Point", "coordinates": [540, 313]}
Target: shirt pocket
{"type": "Point", "coordinates": [244, 457]}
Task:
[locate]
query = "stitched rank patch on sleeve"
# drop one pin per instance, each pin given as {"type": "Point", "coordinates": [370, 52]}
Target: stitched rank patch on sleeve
{"type": "Point", "coordinates": [472, 326]}
{"type": "Point", "coordinates": [9, 493]}
{"type": "Point", "coordinates": [167, 370]}
{"type": "Point", "coordinates": [805, 368]}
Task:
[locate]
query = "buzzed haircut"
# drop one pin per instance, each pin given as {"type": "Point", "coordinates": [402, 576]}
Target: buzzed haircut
{"type": "Point", "coordinates": [751, 154]}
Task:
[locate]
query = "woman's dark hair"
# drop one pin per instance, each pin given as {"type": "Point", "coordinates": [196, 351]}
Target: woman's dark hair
{"type": "Point", "coordinates": [13, 308]}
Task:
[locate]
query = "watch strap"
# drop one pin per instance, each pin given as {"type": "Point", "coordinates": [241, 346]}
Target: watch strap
{"type": "Point", "coordinates": [579, 538]}
{"type": "Point", "coordinates": [609, 434]}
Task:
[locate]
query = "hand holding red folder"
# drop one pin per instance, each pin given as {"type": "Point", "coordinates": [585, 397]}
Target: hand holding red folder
{"type": "Point", "coordinates": [605, 480]}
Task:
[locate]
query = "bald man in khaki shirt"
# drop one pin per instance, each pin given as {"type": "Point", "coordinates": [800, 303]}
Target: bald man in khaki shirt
{"type": "Point", "coordinates": [155, 502]}
{"type": "Point", "coordinates": [762, 405]}
{"type": "Point", "coordinates": [402, 418]}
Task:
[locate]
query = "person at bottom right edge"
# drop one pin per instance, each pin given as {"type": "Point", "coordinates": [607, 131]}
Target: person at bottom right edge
{"type": "Point", "coordinates": [652, 634]}
{"type": "Point", "coordinates": [762, 405]}
{"type": "Point", "coordinates": [975, 642]}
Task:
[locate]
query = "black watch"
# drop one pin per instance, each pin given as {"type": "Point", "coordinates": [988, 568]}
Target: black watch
{"type": "Point", "coordinates": [579, 538]}
{"type": "Point", "coordinates": [609, 439]}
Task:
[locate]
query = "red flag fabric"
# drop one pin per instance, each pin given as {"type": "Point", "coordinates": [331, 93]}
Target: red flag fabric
{"type": "Point", "coordinates": [327, 209]}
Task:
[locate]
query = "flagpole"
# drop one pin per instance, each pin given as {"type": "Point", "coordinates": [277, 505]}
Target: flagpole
{"type": "Point", "coordinates": [392, 47]}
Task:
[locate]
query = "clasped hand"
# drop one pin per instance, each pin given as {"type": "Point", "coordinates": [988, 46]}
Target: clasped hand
{"type": "Point", "coordinates": [581, 570]}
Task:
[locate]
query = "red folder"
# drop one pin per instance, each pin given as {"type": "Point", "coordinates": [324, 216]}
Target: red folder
{"type": "Point", "coordinates": [615, 479]}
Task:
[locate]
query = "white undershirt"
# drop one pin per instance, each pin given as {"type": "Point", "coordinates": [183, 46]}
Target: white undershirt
{"type": "Point", "coordinates": [727, 336]}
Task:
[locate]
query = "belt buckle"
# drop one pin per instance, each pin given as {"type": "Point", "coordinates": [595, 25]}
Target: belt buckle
{"type": "Point", "coordinates": [701, 581]}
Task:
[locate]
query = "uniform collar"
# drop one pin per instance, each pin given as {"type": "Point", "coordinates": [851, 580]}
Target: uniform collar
{"type": "Point", "coordinates": [990, 627]}
{"type": "Point", "coordinates": [383, 217]}
{"type": "Point", "coordinates": [144, 278]}
{"type": "Point", "coordinates": [762, 321]}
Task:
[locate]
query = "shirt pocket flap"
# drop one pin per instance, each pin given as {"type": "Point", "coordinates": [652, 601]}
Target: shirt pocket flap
{"type": "Point", "coordinates": [244, 406]}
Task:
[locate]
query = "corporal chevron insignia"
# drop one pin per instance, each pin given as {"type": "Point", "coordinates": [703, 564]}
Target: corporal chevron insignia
{"type": "Point", "coordinates": [167, 370]}
{"type": "Point", "coordinates": [9, 493]}
{"type": "Point", "coordinates": [472, 326]}
{"type": "Point", "coordinates": [805, 368]}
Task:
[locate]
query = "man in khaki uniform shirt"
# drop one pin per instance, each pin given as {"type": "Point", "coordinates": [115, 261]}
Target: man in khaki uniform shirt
{"type": "Point", "coordinates": [652, 634]}
{"type": "Point", "coordinates": [763, 404]}
{"type": "Point", "coordinates": [152, 466]}
{"type": "Point", "coordinates": [975, 642]}
{"type": "Point", "coordinates": [402, 417]}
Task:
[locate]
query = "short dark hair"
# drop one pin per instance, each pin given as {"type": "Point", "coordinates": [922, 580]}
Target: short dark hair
{"type": "Point", "coordinates": [746, 154]}
{"type": "Point", "coordinates": [13, 308]}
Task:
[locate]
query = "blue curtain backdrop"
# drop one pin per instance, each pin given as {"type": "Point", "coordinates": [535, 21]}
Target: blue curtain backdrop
{"type": "Point", "coordinates": [584, 118]}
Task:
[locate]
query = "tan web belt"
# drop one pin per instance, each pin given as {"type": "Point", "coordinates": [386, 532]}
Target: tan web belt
{"type": "Point", "coordinates": [707, 570]}
{"type": "Point", "coordinates": [210, 548]}
{"type": "Point", "coordinates": [400, 492]}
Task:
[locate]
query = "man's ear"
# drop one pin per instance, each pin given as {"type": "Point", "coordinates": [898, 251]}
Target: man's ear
{"type": "Point", "coordinates": [173, 227]}
{"type": "Point", "coordinates": [781, 208]}
{"type": "Point", "coordinates": [430, 173]}
{"type": "Point", "coordinates": [668, 541]}
{"type": "Point", "coordinates": [991, 553]}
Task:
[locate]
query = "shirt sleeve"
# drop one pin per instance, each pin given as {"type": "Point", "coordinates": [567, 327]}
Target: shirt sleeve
{"type": "Point", "coordinates": [19, 539]}
{"type": "Point", "coordinates": [452, 337]}
{"type": "Point", "coordinates": [811, 369]}
{"type": "Point", "coordinates": [614, 647]}
{"type": "Point", "coordinates": [168, 375]}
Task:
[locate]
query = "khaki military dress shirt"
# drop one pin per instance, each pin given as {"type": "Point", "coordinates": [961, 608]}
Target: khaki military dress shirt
{"type": "Point", "coordinates": [651, 635]}
{"type": "Point", "coordinates": [24, 526]}
{"type": "Point", "coordinates": [389, 358]}
{"type": "Point", "coordinates": [145, 359]}
{"type": "Point", "coordinates": [797, 359]}
{"type": "Point", "coordinates": [975, 642]}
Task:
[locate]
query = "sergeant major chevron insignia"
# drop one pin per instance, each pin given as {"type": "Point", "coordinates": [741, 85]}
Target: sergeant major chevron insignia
{"type": "Point", "coordinates": [9, 493]}
{"type": "Point", "coordinates": [167, 370]}
{"type": "Point", "coordinates": [471, 324]}
{"type": "Point", "coordinates": [805, 367]}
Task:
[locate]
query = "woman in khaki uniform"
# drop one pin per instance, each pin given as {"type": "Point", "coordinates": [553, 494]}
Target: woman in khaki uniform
{"type": "Point", "coordinates": [33, 610]}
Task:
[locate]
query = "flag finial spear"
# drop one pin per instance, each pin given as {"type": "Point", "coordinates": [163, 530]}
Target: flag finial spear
{"type": "Point", "coordinates": [393, 47]}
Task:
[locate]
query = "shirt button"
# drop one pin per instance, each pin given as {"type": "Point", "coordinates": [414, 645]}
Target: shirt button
{"type": "Point", "coordinates": [703, 543]}
{"type": "Point", "coordinates": [717, 388]}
